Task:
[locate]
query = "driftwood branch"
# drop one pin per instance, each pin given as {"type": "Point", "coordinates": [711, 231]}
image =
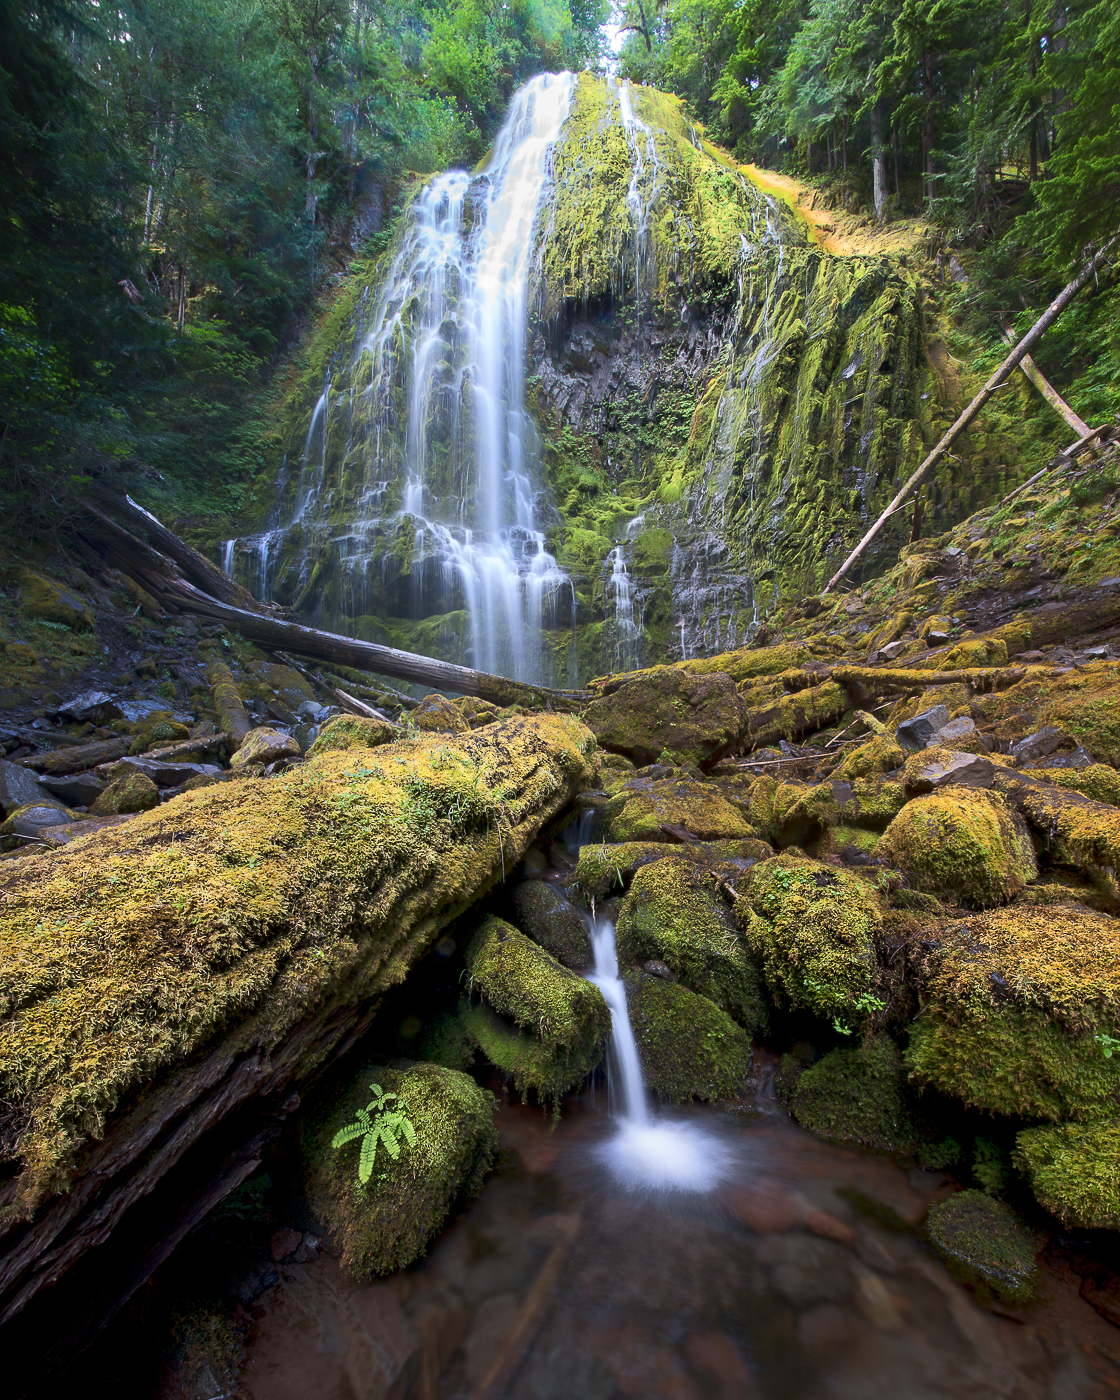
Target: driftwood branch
{"type": "Point", "coordinates": [1028, 342]}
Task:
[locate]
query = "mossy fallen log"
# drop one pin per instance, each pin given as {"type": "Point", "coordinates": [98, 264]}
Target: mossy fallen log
{"type": "Point", "coordinates": [158, 975]}
{"type": "Point", "coordinates": [232, 715]}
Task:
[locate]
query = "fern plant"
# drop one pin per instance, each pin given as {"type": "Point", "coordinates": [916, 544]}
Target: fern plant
{"type": "Point", "coordinates": [377, 1123]}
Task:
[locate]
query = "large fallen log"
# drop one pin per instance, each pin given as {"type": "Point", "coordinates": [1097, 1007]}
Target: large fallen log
{"type": "Point", "coordinates": [163, 976]}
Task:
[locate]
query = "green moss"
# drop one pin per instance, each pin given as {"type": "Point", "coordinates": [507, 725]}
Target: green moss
{"type": "Point", "coordinates": [352, 732]}
{"type": "Point", "coordinates": [845, 837]}
{"type": "Point", "coordinates": [642, 806]}
{"type": "Point", "coordinates": [133, 792]}
{"type": "Point", "coordinates": [984, 1243]}
{"type": "Point", "coordinates": [881, 754]}
{"type": "Point", "coordinates": [603, 868]}
{"type": "Point", "coordinates": [548, 918]}
{"type": "Point", "coordinates": [1098, 781]}
{"type": "Point", "coordinates": [547, 1070]}
{"type": "Point", "coordinates": [688, 1047]}
{"type": "Point", "coordinates": [857, 1094]}
{"type": "Point", "coordinates": [673, 913]}
{"type": "Point", "coordinates": [520, 980]}
{"type": "Point", "coordinates": [46, 600]}
{"type": "Point", "coordinates": [815, 929]}
{"type": "Point", "coordinates": [158, 729]}
{"type": "Point", "coordinates": [668, 707]}
{"type": "Point", "coordinates": [386, 1224]}
{"type": "Point", "coordinates": [1073, 1173]}
{"type": "Point", "coordinates": [962, 844]}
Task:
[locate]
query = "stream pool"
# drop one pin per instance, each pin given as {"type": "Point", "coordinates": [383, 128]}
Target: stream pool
{"type": "Point", "coordinates": [801, 1274]}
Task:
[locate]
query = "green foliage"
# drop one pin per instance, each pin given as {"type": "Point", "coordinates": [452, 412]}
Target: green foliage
{"type": "Point", "coordinates": [388, 1127]}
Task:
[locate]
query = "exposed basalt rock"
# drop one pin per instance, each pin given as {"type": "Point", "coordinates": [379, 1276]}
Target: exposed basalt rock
{"type": "Point", "coordinates": [384, 1224]}
{"type": "Point", "coordinates": [962, 844]}
{"type": "Point", "coordinates": [220, 949]}
{"type": "Point", "coordinates": [986, 1244]}
{"type": "Point", "coordinates": [674, 915]}
{"type": "Point", "coordinates": [688, 1047]}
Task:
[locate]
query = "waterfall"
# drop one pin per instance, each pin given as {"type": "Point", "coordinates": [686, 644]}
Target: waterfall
{"type": "Point", "coordinates": [626, 633]}
{"type": "Point", "coordinates": [648, 1152]}
{"type": "Point", "coordinates": [419, 478]}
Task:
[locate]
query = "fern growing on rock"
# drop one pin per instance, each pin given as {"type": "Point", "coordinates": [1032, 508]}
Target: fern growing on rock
{"type": "Point", "coordinates": [388, 1126]}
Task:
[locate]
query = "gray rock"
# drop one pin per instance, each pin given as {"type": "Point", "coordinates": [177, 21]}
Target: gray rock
{"type": "Point", "coordinates": [956, 769]}
{"type": "Point", "coordinates": [18, 786]}
{"type": "Point", "coordinates": [32, 818]}
{"type": "Point", "coordinates": [1079, 758]}
{"type": "Point", "coordinates": [952, 733]}
{"type": "Point", "coordinates": [805, 1270]}
{"type": "Point", "coordinates": [75, 789]}
{"type": "Point", "coordinates": [893, 649]}
{"type": "Point", "coordinates": [164, 775]}
{"type": "Point", "coordinates": [95, 705]}
{"type": "Point", "coordinates": [1041, 744]}
{"type": "Point", "coordinates": [916, 733]}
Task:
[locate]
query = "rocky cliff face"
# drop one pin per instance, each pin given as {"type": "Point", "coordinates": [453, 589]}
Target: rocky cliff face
{"type": "Point", "coordinates": [695, 415]}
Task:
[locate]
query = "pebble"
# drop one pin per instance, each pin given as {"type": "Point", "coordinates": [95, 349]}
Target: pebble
{"type": "Point", "coordinates": [764, 1206]}
{"type": "Point", "coordinates": [829, 1228]}
{"type": "Point", "coordinates": [283, 1243]}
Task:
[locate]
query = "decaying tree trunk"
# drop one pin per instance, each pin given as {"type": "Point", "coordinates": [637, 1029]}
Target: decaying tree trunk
{"type": "Point", "coordinates": [208, 957]}
{"type": "Point", "coordinates": [232, 715]}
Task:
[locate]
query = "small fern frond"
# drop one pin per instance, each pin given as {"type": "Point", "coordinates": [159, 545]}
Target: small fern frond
{"type": "Point", "coordinates": [391, 1144]}
{"type": "Point", "coordinates": [348, 1134]}
{"type": "Point", "coordinates": [369, 1152]}
{"type": "Point", "coordinates": [409, 1132]}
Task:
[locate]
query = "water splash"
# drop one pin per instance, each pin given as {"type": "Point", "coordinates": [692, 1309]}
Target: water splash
{"type": "Point", "coordinates": [648, 1152]}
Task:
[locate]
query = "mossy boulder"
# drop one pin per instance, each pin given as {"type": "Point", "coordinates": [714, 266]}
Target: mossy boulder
{"type": "Point", "coordinates": [642, 807]}
{"type": "Point", "coordinates": [158, 729]}
{"type": "Point", "coordinates": [688, 1047]}
{"type": "Point", "coordinates": [384, 1224]}
{"type": "Point", "coordinates": [1073, 1170]}
{"type": "Point", "coordinates": [133, 792]}
{"type": "Point", "coordinates": [985, 1244]}
{"type": "Point", "coordinates": [880, 754]}
{"type": "Point", "coordinates": [519, 979]}
{"type": "Point", "coordinates": [50, 601]}
{"type": "Point", "coordinates": [263, 746]}
{"type": "Point", "coordinates": [352, 732]}
{"type": "Point", "coordinates": [24, 821]}
{"type": "Point", "coordinates": [962, 844]}
{"type": "Point", "coordinates": [1098, 781]}
{"type": "Point", "coordinates": [550, 920]}
{"type": "Point", "coordinates": [532, 1066]}
{"type": "Point", "coordinates": [857, 1094]}
{"type": "Point", "coordinates": [673, 913]}
{"type": "Point", "coordinates": [1014, 1002]}
{"type": "Point", "coordinates": [437, 714]}
{"type": "Point", "coordinates": [814, 928]}
{"type": "Point", "coordinates": [667, 707]}
{"type": "Point", "coordinates": [603, 868]}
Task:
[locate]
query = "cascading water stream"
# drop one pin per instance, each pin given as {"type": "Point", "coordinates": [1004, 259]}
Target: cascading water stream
{"type": "Point", "coordinates": [647, 1152]}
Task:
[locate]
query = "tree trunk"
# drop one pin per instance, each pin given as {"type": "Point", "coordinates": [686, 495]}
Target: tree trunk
{"type": "Point", "coordinates": [878, 164]}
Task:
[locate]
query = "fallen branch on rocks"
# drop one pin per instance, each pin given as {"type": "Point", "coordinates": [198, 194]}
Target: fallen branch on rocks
{"type": "Point", "coordinates": [77, 760]}
{"type": "Point", "coordinates": [217, 951]}
{"type": "Point", "coordinates": [232, 715]}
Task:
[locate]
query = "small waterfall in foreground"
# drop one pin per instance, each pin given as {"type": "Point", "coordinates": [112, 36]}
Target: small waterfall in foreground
{"type": "Point", "coordinates": [647, 1151]}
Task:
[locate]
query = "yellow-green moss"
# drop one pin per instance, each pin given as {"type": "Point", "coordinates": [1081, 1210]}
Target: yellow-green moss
{"type": "Point", "coordinates": [437, 714]}
{"type": "Point", "coordinates": [688, 1047]}
{"type": "Point", "coordinates": [385, 1224]}
{"type": "Point", "coordinates": [352, 732]}
{"type": "Point", "coordinates": [815, 929]}
{"type": "Point", "coordinates": [642, 806]}
{"type": "Point", "coordinates": [532, 1066]}
{"type": "Point", "coordinates": [963, 844]}
{"type": "Point", "coordinates": [237, 910]}
{"type": "Point", "coordinates": [697, 717]}
{"type": "Point", "coordinates": [986, 1244]}
{"type": "Point", "coordinates": [132, 792]}
{"type": "Point", "coordinates": [520, 980]}
{"type": "Point", "coordinates": [673, 913]}
{"type": "Point", "coordinates": [856, 1094]}
{"type": "Point", "coordinates": [1073, 1171]}
{"type": "Point", "coordinates": [843, 838]}
{"type": "Point", "coordinates": [158, 729]}
{"type": "Point", "coordinates": [605, 868]}
{"type": "Point", "coordinates": [881, 754]}
{"type": "Point", "coordinates": [1098, 781]}
{"type": "Point", "coordinates": [1085, 703]}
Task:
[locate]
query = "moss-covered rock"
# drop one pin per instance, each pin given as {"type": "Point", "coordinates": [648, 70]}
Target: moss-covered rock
{"type": "Point", "coordinates": [668, 707]}
{"type": "Point", "coordinates": [352, 732]}
{"type": "Point", "coordinates": [521, 980]}
{"type": "Point", "coordinates": [984, 1243]}
{"type": "Point", "coordinates": [1015, 1000]}
{"type": "Point", "coordinates": [264, 746]}
{"type": "Point", "coordinates": [532, 1066]}
{"type": "Point", "coordinates": [30, 817]}
{"type": "Point", "coordinates": [232, 915]}
{"type": "Point", "coordinates": [1098, 781]}
{"type": "Point", "coordinates": [857, 1094]}
{"type": "Point", "coordinates": [673, 913]}
{"type": "Point", "coordinates": [1073, 1171]}
{"type": "Point", "coordinates": [158, 729]}
{"type": "Point", "coordinates": [688, 1047]}
{"type": "Point", "coordinates": [550, 920]}
{"type": "Point", "coordinates": [962, 844]}
{"type": "Point", "coordinates": [438, 714]}
{"type": "Point", "coordinates": [386, 1223]}
{"type": "Point", "coordinates": [134, 792]}
{"type": "Point", "coordinates": [815, 929]}
{"type": "Point", "coordinates": [880, 754]}
{"type": "Point", "coordinates": [604, 867]}
{"type": "Point", "coordinates": [643, 806]}
{"type": "Point", "coordinates": [50, 601]}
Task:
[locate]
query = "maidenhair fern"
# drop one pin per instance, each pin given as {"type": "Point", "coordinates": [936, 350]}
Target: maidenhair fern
{"type": "Point", "coordinates": [375, 1123]}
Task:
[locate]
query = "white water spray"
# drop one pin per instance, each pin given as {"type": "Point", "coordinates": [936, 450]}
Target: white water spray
{"type": "Point", "coordinates": [647, 1152]}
